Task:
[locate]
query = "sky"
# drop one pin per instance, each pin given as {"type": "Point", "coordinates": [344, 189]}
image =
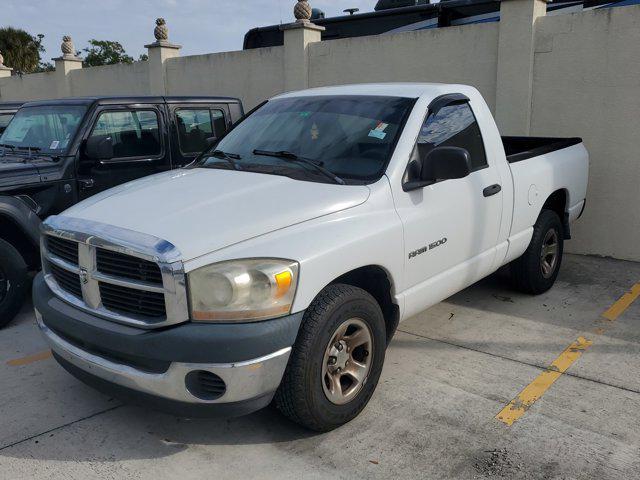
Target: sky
{"type": "Point", "coordinates": [200, 26]}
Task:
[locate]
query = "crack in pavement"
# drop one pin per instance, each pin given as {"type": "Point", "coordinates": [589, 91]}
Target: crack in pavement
{"type": "Point", "coordinates": [534, 365]}
{"type": "Point", "coordinates": [59, 427]}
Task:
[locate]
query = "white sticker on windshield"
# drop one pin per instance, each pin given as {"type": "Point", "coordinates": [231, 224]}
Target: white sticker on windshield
{"type": "Point", "coordinates": [54, 145]}
{"type": "Point", "coordinates": [379, 131]}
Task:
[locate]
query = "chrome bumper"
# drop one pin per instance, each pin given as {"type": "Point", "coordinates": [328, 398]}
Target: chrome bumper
{"type": "Point", "coordinates": [244, 380]}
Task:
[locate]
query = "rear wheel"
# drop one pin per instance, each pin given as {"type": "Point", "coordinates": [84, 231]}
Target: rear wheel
{"type": "Point", "coordinates": [13, 282]}
{"type": "Point", "coordinates": [336, 361]}
{"type": "Point", "coordinates": [536, 271]}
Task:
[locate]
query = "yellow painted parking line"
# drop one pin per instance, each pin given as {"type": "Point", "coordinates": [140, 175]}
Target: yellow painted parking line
{"type": "Point", "coordinates": [621, 305]}
{"type": "Point", "coordinates": [532, 392]}
{"type": "Point", "coordinates": [36, 357]}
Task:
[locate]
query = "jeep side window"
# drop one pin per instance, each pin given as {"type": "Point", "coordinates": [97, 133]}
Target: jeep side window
{"type": "Point", "coordinates": [195, 126]}
{"type": "Point", "coordinates": [134, 133]}
{"type": "Point", "coordinates": [453, 125]}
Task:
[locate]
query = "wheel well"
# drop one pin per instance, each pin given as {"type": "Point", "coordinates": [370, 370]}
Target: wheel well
{"type": "Point", "coordinates": [374, 280]}
{"type": "Point", "coordinates": [11, 233]}
{"type": "Point", "coordinates": [557, 202]}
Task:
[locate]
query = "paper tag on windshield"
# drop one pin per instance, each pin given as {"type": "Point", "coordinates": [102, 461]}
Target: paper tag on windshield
{"type": "Point", "coordinates": [54, 145]}
{"type": "Point", "coordinates": [379, 131]}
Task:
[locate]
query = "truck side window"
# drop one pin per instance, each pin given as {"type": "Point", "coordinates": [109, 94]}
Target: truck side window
{"type": "Point", "coordinates": [453, 126]}
{"type": "Point", "coordinates": [196, 126]}
{"type": "Point", "coordinates": [135, 133]}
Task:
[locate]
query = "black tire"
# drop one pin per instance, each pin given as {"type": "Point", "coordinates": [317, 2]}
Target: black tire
{"type": "Point", "coordinates": [13, 282]}
{"type": "Point", "coordinates": [527, 271]}
{"type": "Point", "coordinates": [301, 395]}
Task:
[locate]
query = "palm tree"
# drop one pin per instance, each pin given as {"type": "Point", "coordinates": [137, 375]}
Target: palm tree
{"type": "Point", "coordinates": [21, 50]}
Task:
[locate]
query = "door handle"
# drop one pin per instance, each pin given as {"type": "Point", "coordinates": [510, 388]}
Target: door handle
{"type": "Point", "coordinates": [492, 190]}
{"type": "Point", "coordinates": [86, 183]}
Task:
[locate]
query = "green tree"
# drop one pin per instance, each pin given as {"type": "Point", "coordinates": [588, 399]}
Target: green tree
{"type": "Point", "coordinates": [21, 50]}
{"type": "Point", "coordinates": [45, 67]}
{"type": "Point", "coordinates": [105, 52]}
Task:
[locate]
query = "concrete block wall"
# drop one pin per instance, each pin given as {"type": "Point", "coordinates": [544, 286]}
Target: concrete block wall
{"type": "Point", "coordinates": [36, 86]}
{"type": "Point", "coordinates": [563, 75]}
{"type": "Point", "coordinates": [586, 82]}
{"type": "Point", "coordinates": [253, 75]}
{"type": "Point", "coordinates": [465, 54]}
{"type": "Point", "coordinates": [119, 79]}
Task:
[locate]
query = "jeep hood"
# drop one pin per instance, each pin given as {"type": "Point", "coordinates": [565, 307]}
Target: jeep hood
{"type": "Point", "coordinates": [21, 170]}
{"type": "Point", "coordinates": [17, 171]}
{"type": "Point", "coordinates": [203, 210]}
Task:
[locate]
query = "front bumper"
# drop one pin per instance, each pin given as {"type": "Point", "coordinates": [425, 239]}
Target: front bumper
{"type": "Point", "coordinates": [151, 367]}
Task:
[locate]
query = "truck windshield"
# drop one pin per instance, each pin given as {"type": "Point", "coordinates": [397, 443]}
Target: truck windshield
{"type": "Point", "coordinates": [349, 137]}
{"type": "Point", "coordinates": [46, 129]}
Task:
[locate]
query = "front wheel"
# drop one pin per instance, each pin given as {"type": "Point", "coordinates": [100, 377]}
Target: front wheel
{"type": "Point", "coordinates": [336, 361]}
{"type": "Point", "coordinates": [13, 282]}
{"type": "Point", "coordinates": [536, 270]}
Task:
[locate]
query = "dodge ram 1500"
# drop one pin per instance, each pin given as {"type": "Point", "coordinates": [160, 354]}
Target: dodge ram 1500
{"type": "Point", "coordinates": [277, 266]}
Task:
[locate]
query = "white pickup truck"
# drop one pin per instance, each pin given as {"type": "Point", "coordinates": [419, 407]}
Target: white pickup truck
{"type": "Point", "coordinates": [277, 266]}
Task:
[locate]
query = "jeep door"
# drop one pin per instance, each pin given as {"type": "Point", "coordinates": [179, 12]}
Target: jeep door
{"type": "Point", "coordinates": [194, 126]}
{"type": "Point", "coordinates": [124, 142]}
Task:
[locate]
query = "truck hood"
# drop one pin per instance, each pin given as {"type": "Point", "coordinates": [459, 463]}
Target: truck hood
{"type": "Point", "coordinates": [203, 210]}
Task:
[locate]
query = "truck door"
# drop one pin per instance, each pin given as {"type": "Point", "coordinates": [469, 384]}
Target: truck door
{"type": "Point", "coordinates": [124, 142]}
{"type": "Point", "coordinates": [193, 128]}
{"type": "Point", "coordinates": [451, 227]}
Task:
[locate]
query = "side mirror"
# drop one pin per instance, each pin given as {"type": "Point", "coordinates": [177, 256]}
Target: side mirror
{"type": "Point", "coordinates": [99, 148]}
{"type": "Point", "coordinates": [441, 163]}
{"type": "Point", "coordinates": [446, 163]}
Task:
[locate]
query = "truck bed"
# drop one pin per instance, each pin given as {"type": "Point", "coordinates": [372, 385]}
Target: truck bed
{"type": "Point", "coordinates": [522, 148]}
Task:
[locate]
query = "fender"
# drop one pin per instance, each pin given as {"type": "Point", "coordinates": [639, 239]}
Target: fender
{"type": "Point", "coordinates": [25, 218]}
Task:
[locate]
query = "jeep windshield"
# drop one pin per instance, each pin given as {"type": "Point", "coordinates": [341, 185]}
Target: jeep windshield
{"type": "Point", "coordinates": [332, 139]}
{"type": "Point", "coordinates": [44, 130]}
{"type": "Point", "coordinates": [5, 118]}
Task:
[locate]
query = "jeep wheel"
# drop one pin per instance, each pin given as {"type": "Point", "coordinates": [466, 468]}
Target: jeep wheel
{"type": "Point", "coordinates": [536, 271]}
{"type": "Point", "coordinates": [336, 361]}
{"type": "Point", "coordinates": [13, 282]}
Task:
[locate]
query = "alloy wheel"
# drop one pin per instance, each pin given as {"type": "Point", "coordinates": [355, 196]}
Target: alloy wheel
{"type": "Point", "coordinates": [549, 253]}
{"type": "Point", "coordinates": [347, 361]}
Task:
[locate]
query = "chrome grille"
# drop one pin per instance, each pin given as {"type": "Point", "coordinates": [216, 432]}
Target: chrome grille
{"type": "Point", "coordinates": [64, 249]}
{"type": "Point", "coordinates": [128, 277]}
{"type": "Point", "coordinates": [114, 263]}
{"type": "Point", "coordinates": [130, 300]}
{"type": "Point", "coordinates": [67, 280]}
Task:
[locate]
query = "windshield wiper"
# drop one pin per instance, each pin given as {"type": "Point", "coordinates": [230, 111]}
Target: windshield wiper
{"type": "Point", "coordinates": [7, 145]}
{"type": "Point", "coordinates": [292, 157]}
{"type": "Point", "coordinates": [30, 149]}
{"type": "Point", "coordinates": [229, 157]}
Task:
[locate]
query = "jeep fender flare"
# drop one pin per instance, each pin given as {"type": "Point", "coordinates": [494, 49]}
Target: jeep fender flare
{"type": "Point", "coordinates": [22, 216]}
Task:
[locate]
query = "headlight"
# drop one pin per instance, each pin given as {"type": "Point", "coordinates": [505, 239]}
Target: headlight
{"type": "Point", "coordinates": [243, 290]}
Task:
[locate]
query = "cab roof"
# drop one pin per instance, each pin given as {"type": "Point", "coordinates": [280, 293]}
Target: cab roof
{"type": "Point", "coordinates": [406, 90]}
{"type": "Point", "coordinates": [10, 105]}
{"type": "Point", "coordinates": [115, 100]}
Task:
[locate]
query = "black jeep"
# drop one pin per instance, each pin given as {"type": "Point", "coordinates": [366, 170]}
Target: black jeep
{"type": "Point", "coordinates": [55, 153]}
